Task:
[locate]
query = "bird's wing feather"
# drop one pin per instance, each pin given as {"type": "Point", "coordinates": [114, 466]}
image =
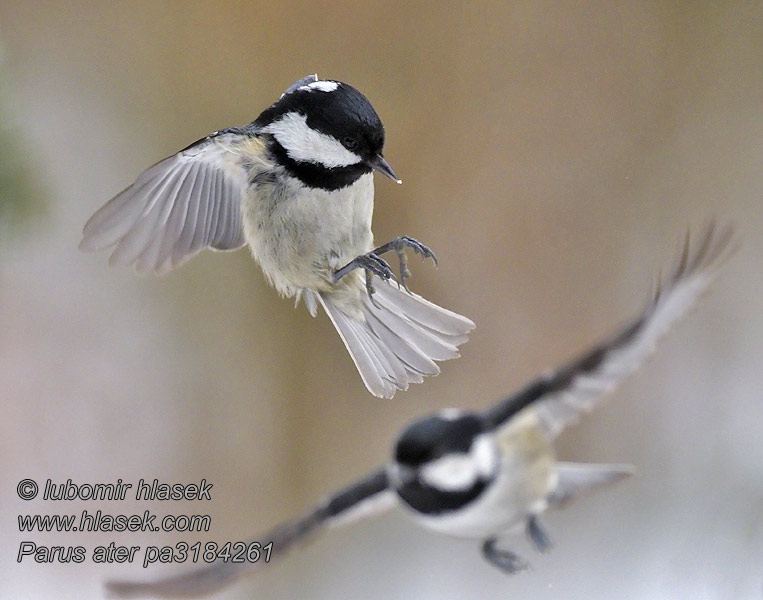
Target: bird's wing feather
{"type": "Point", "coordinates": [181, 205]}
{"type": "Point", "coordinates": [559, 398]}
{"type": "Point", "coordinates": [368, 496]}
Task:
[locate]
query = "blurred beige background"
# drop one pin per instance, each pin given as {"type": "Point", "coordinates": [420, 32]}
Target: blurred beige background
{"type": "Point", "coordinates": [553, 155]}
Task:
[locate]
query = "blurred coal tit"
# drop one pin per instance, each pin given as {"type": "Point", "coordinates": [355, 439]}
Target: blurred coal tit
{"type": "Point", "coordinates": [487, 474]}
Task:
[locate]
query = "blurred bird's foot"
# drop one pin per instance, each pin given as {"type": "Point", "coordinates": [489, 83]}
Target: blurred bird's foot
{"type": "Point", "coordinates": [372, 264]}
{"type": "Point", "coordinates": [399, 245]}
{"type": "Point", "coordinates": [538, 536]}
{"type": "Point", "coordinates": [506, 561]}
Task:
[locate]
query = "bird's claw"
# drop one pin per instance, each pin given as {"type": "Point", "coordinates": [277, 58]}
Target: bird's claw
{"type": "Point", "coordinates": [399, 245]}
{"type": "Point", "coordinates": [370, 288]}
{"type": "Point", "coordinates": [506, 561]}
{"type": "Point", "coordinates": [372, 264]}
{"type": "Point", "coordinates": [419, 248]}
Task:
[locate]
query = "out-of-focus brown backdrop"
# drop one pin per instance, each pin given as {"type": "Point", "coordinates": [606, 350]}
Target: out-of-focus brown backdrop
{"type": "Point", "coordinates": [553, 155]}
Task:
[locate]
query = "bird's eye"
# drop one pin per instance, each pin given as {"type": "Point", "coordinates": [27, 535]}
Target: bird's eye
{"type": "Point", "coordinates": [350, 143]}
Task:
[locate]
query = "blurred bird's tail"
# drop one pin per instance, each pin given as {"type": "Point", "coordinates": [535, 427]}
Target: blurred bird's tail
{"type": "Point", "coordinates": [395, 338]}
{"type": "Point", "coordinates": [577, 479]}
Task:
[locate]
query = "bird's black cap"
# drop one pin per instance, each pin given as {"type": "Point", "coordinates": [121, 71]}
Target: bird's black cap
{"type": "Point", "coordinates": [435, 436]}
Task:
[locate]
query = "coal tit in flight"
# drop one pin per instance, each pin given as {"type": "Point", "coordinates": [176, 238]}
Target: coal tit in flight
{"type": "Point", "coordinates": [483, 475]}
{"type": "Point", "coordinates": [296, 186]}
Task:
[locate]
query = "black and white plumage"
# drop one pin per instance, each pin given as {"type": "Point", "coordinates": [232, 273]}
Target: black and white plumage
{"type": "Point", "coordinates": [296, 186]}
{"type": "Point", "coordinates": [484, 475]}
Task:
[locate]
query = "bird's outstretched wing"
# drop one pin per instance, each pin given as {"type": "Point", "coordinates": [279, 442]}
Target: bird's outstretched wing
{"type": "Point", "coordinates": [368, 496]}
{"type": "Point", "coordinates": [181, 205]}
{"type": "Point", "coordinates": [559, 398]}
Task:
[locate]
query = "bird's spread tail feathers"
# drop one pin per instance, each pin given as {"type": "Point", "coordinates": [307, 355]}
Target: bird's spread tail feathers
{"type": "Point", "coordinates": [396, 338]}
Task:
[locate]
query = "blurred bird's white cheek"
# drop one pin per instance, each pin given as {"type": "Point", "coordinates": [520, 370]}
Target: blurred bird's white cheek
{"type": "Point", "coordinates": [452, 473]}
{"type": "Point", "coordinates": [308, 145]}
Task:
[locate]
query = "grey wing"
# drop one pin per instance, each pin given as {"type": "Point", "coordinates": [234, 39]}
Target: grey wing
{"type": "Point", "coordinates": [181, 205]}
{"type": "Point", "coordinates": [559, 399]}
{"type": "Point", "coordinates": [370, 495]}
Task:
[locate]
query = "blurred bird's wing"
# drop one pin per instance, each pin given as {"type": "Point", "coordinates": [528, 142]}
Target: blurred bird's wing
{"type": "Point", "coordinates": [368, 496]}
{"type": "Point", "coordinates": [559, 398]}
{"type": "Point", "coordinates": [181, 205]}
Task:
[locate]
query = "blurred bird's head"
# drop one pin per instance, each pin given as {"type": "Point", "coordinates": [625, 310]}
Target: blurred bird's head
{"type": "Point", "coordinates": [443, 462]}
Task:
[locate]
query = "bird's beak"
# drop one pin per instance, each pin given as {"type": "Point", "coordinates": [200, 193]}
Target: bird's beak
{"type": "Point", "coordinates": [379, 164]}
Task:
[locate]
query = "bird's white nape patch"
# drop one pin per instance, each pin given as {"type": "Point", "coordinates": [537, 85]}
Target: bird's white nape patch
{"type": "Point", "coordinates": [323, 86]}
{"type": "Point", "coordinates": [449, 414]}
{"type": "Point", "coordinates": [304, 144]}
{"type": "Point", "coordinates": [453, 472]}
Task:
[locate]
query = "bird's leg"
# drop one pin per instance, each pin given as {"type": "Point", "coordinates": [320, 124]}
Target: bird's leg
{"type": "Point", "coordinates": [506, 561]}
{"type": "Point", "coordinates": [538, 536]}
{"type": "Point", "coordinates": [372, 264]}
{"type": "Point", "coordinates": [399, 245]}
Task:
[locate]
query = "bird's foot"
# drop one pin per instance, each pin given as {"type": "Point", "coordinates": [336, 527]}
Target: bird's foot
{"type": "Point", "coordinates": [372, 264]}
{"type": "Point", "coordinates": [538, 536]}
{"type": "Point", "coordinates": [506, 561]}
{"type": "Point", "coordinates": [399, 245]}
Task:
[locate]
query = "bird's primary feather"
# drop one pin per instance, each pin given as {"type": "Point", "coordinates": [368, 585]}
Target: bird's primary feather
{"type": "Point", "coordinates": [181, 205]}
{"type": "Point", "coordinates": [559, 398]}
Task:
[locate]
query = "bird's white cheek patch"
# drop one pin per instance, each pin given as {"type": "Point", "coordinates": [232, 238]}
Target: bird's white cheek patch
{"type": "Point", "coordinates": [308, 145]}
{"type": "Point", "coordinates": [485, 455]}
{"type": "Point", "coordinates": [451, 473]}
